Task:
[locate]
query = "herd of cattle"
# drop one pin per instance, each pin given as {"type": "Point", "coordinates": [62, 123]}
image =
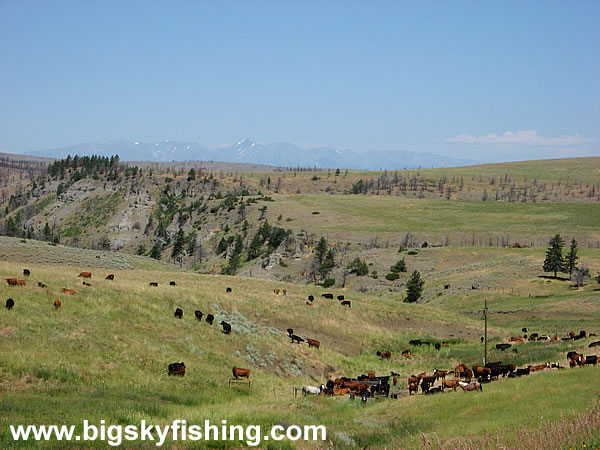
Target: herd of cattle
{"type": "Point", "coordinates": [369, 385]}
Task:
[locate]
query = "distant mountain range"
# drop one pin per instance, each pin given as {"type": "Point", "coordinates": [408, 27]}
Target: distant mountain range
{"type": "Point", "coordinates": [246, 151]}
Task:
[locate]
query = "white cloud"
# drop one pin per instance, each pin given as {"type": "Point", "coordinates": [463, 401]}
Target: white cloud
{"type": "Point", "coordinates": [527, 137]}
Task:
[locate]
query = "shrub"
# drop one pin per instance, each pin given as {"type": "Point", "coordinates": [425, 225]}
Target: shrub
{"type": "Point", "coordinates": [425, 245]}
{"type": "Point", "coordinates": [413, 252]}
{"type": "Point", "coordinates": [392, 276]}
{"type": "Point", "coordinates": [328, 282]}
{"type": "Point", "coordinates": [400, 266]}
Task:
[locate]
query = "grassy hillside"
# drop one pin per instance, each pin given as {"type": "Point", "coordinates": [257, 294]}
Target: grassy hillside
{"type": "Point", "coordinates": [104, 356]}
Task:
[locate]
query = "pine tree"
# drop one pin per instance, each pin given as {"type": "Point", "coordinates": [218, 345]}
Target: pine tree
{"type": "Point", "coordinates": [178, 244]}
{"type": "Point", "coordinates": [414, 287]}
{"type": "Point", "coordinates": [400, 266]}
{"type": "Point", "coordinates": [554, 261]}
{"type": "Point", "coordinates": [156, 251]}
{"type": "Point", "coordinates": [571, 258]}
{"type": "Point", "coordinates": [321, 250]}
{"type": "Point", "coordinates": [327, 264]}
{"type": "Point", "coordinates": [192, 243]}
{"type": "Point", "coordinates": [47, 232]}
{"type": "Point", "coordinates": [235, 258]}
{"type": "Point", "coordinates": [191, 175]}
{"type": "Point", "coordinates": [255, 246]}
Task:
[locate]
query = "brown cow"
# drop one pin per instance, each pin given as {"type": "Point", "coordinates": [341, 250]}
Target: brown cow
{"type": "Point", "coordinates": [276, 291]}
{"type": "Point", "coordinates": [414, 380]}
{"type": "Point", "coordinates": [285, 292]}
{"type": "Point", "coordinates": [538, 367]}
{"type": "Point", "coordinates": [11, 281]}
{"type": "Point", "coordinates": [413, 387]}
{"type": "Point", "coordinates": [313, 343]}
{"type": "Point", "coordinates": [237, 372]}
{"type": "Point", "coordinates": [395, 381]}
{"type": "Point", "coordinates": [479, 371]}
{"type": "Point", "coordinates": [57, 304]}
{"type": "Point", "coordinates": [385, 355]}
{"type": "Point", "coordinates": [85, 274]}
{"type": "Point", "coordinates": [440, 374]}
{"type": "Point", "coordinates": [68, 291]}
{"type": "Point", "coordinates": [354, 386]}
{"type": "Point", "coordinates": [451, 384]}
{"type": "Point", "coordinates": [516, 339]}
{"type": "Point", "coordinates": [406, 353]}
{"type": "Point", "coordinates": [340, 391]}
{"type": "Point", "coordinates": [21, 282]}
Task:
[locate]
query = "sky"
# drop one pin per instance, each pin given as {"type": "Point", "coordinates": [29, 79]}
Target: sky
{"type": "Point", "coordinates": [490, 81]}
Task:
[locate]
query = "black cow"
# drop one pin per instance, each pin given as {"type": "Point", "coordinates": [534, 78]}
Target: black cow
{"type": "Point", "coordinates": [311, 298]}
{"type": "Point", "coordinates": [593, 359]}
{"type": "Point", "coordinates": [226, 327]}
{"type": "Point", "coordinates": [447, 286]}
{"type": "Point", "coordinates": [228, 289]}
{"type": "Point", "coordinates": [340, 297]}
{"type": "Point", "coordinates": [415, 342]}
{"type": "Point", "coordinates": [172, 283]}
{"type": "Point", "coordinates": [346, 303]}
{"type": "Point", "coordinates": [594, 344]}
{"type": "Point", "coordinates": [209, 319]}
{"type": "Point", "coordinates": [290, 332]}
{"type": "Point", "coordinates": [153, 283]}
{"type": "Point", "coordinates": [437, 345]}
{"type": "Point", "coordinates": [435, 390]}
{"type": "Point", "coordinates": [198, 314]}
{"type": "Point", "coordinates": [533, 336]}
{"type": "Point", "coordinates": [521, 372]}
{"type": "Point", "coordinates": [26, 272]}
{"type": "Point", "coordinates": [10, 303]}
{"type": "Point", "coordinates": [110, 277]}
{"type": "Point", "coordinates": [524, 330]}
{"type": "Point", "coordinates": [571, 353]}
{"type": "Point", "coordinates": [177, 369]}
{"type": "Point", "coordinates": [179, 313]}
{"type": "Point", "coordinates": [503, 347]}
{"type": "Point", "coordinates": [329, 296]}
{"type": "Point", "coordinates": [297, 339]}
{"type": "Point", "coordinates": [42, 285]}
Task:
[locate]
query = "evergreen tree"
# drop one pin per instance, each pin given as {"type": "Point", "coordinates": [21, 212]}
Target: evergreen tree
{"type": "Point", "coordinates": [321, 250]}
{"type": "Point", "coordinates": [47, 232]}
{"type": "Point", "coordinates": [191, 175]}
{"type": "Point", "coordinates": [571, 258]}
{"type": "Point", "coordinates": [414, 287]}
{"type": "Point", "coordinates": [179, 243]}
{"type": "Point", "coordinates": [156, 251]}
{"type": "Point", "coordinates": [255, 246]}
{"type": "Point", "coordinates": [192, 243]}
{"type": "Point", "coordinates": [104, 243]}
{"type": "Point", "coordinates": [400, 266]}
{"type": "Point", "coordinates": [11, 227]}
{"type": "Point", "coordinates": [327, 264]}
{"type": "Point", "coordinates": [554, 261]}
{"type": "Point", "coordinates": [359, 267]}
{"type": "Point", "coordinates": [235, 258]}
{"type": "Point", "coordinates": [222, 246]}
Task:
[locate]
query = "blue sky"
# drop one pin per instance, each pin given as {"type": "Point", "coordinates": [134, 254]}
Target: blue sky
{"type": "Point", "coordinates": [495, 80]}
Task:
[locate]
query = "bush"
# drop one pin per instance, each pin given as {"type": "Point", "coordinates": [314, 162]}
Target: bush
{"type": "Point", "coordinates": [413, 252]}
{"type": "Point", "coordinates": [328, 282]}
{"type": "Point", "coordinates": [425, 245]}
{"type": "Point", "coordinates": [400, 266]}
{"type": "Point", "coordinates": [316, 212]}
{"type": "Point", "coordinates": [392, 276]}
{"type": "Point", "coordinates": [359, 267]}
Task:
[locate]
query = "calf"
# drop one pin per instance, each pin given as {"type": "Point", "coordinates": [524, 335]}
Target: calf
{"type": "Point", "coordinates": [415, 342]}
{"type": "Point", "coordinates": [178, 313]}
{"type": "Point", "coordinates": [10, 304]}
{"type": "Point", "coordinates": [226, 327]}
{"type": "Point", "coordinates": [434, 390]}
{"type": "Point", "coordinates": [57, 303]}
{"type": "Point", "coordinates": [313, 343]}
{"type": "Point", "coordinates": [338, 392]}
{"type": "Point", "coordinates": [177, 369]}
{"type": "Point", "coordinates": [237, 372]}
{"type": "Point", "coordinates": [85, 274]}
{"type": "Point", "coordinates": [110, 277]}
{"type": "Point", "coordinates": [198, 314]}
{"type": "Point", "coordinates": [209, 319]}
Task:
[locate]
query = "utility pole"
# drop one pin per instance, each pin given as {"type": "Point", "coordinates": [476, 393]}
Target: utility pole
{"type": "Point", "coordinates": [485, 312]}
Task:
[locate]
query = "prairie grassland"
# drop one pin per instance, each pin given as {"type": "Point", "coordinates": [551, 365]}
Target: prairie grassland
{"type": "Point", "coordinates": [104, 355]}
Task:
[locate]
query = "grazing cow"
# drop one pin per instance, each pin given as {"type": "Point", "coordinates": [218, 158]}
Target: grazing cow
{"type": "Point", "coordinates": [198, 314]}
{"type": "Point", "coordinates": [226, 327]}
{"type": "Point", "coordinates": [68, 291]}
{"type": "Point", "coordinates": [42, 285]}
{"type": "Point", "coordinates": [313, 343]}
{"type": "Point", "coordinates": [516, 339]}
{"type": "Point", "coordinates": [11, 281]}
{"type": "Point", "coordinates": [110, 277]}
{"type": "Point", "coordinates": [85, 274]}
{"type": "Point", "coordinates": [385, 355]}
{"type": "Point", "coordinates": [153, 284]}
{"type": "Point", "coordinates": [413, 387]}
{"type": "Point", "coordinates": [346, 303]}
{"type": "Point", "coordinates": [237, 372]}
{"type": "Point", "coordinates": [178, 313]}
{"type": "Point", "coordinates": [415, 342]}
{"type": "Point", "coordinates": [503, 347]}
{"type": "Point", "coordinates": [10, 304]}
{"type": "Point", "coordinates": [276, 291]}
{"type": "Point", "coordinates": [594, 344]}
{"type": "Point", "coordinates": [450, 384]}
{"type": "Point", "coordinates": [312, 390]}
{"type": "Point", "coordinates": [440, 374]}
{"type": "Point", "coordinates": [21, 282]}
{"type": "Point", "coordinates": [340, 297]}
{"type": "Point", "coordinates": [522, 372]}
{"type": "Point", "coordinates": [57, 303]}
{"type": "Point", "coordinates": [228, 289]}
{"type": "Point", "coordinates": [85, 283]}
{"type": "Point", "coordinates": [290, 331]}
{"type": "Point", "coordinates": [296, 339]}
{"type": "Point", "coordinates": [26, 272]}
{"type": "Point", "coordinates": [177, 369]}
{"type": "Point", "coordinates": [172, 283]}
{"type": "Point", "coordinates": [591, 360]}
{"type": "Point", "coordinates": [406, 353]}
{"type": "Point", "coordinates": [209, 319]}
{"type": "Point", "coordinates": [329, 296]}
{"type": "Point", "coordinates": [311, 298]}
{"type": "Point", "coordinates": [467, 387]}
